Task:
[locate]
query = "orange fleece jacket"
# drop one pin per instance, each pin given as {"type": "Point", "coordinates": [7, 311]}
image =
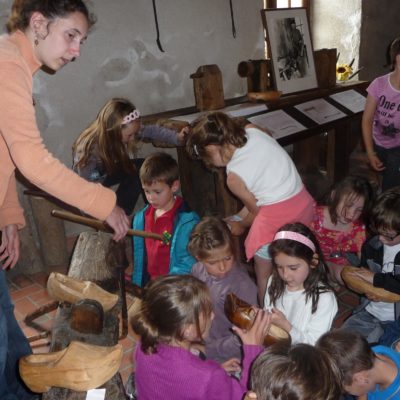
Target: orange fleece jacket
{"type": "Point", "coordinates": [22, 147]}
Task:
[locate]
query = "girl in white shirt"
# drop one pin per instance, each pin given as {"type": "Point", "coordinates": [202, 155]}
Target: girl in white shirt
{"type": "Point", "coordinates": [298, 293]}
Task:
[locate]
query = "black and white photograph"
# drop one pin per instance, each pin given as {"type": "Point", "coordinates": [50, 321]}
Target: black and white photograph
{"type": "Point", "coordinates": [289, 43]}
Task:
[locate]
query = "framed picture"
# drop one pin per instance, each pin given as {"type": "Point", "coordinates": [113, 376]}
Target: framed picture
{"type": "Point", "coordinates": [291, 52]}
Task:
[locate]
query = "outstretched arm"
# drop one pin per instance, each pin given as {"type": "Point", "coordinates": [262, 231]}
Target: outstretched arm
{"type": "Point", "coordinates": [250, 210]}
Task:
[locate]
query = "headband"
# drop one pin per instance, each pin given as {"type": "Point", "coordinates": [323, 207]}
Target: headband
{"type": "Point", "coordinates": [297, 237]}
{"type": "Point", "coordinates": [135, 114]}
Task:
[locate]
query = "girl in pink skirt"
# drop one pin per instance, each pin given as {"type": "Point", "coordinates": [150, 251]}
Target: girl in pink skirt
{"type": "Point", "coordinates": [261, 174]}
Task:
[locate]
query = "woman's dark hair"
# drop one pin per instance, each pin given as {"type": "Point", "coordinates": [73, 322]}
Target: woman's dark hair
{"type": "Point", "coordinates": [353, 187]}
{"type": "Point", "coordinates": [214, 128]}
{"type": "Point", "coordinates": [22, 11]}
{"type": "Point", "coordinates": [317, 281]}
{"type": "Point", "coordinates": [349, 351]}
{"type": "Point", "coordinates": [168, 305]}
{"type": "Point", "coordinates": [300, 372]}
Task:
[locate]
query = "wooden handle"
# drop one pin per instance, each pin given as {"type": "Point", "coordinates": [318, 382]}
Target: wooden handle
{"type": "Point", "coordinates": [264, 96]}
{"type": "Point", "coordinates": [101, 226]}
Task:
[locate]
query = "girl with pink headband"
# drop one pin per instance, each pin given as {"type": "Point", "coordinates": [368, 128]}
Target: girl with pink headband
{"type": "Point", "coordinates": [103, 152]}
{"type": "Point", "coordinates": [298, 293]}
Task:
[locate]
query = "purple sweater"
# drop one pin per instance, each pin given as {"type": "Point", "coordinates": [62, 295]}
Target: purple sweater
{"type": "Point", "coordinates": [222, 344]}
{"type": "Point", "coordinates": [174, 373]}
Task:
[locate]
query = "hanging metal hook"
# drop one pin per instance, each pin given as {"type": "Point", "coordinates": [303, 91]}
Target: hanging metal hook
{"type": "Point", "coordinates": [157, 28]}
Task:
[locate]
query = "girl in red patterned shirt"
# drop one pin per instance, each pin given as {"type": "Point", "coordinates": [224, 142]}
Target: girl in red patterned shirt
{"type": "Point", "coordinates": [339, 225]}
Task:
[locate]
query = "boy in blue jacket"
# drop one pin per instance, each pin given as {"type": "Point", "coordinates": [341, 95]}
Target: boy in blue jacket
{"type": "Point", "coordinates": [165, 212]}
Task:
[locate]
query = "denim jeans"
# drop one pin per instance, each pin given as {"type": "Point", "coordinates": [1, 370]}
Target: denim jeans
{"type": "Point", "coordinates": [366, 324]}
{"type": "Point", "coordinates": [13, 345]}
{"type": "Point", "coordinates": [391, 161]}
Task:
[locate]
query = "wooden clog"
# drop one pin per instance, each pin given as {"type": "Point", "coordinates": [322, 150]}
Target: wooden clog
{"type": "Point", "coordinates": [242, 315]}
{"type": "Point", "coordinates": [64, 288]}
{"type": "Point", "coordinates": [361, 286]}
{"type": "Point", "coordinates": [79, 367]}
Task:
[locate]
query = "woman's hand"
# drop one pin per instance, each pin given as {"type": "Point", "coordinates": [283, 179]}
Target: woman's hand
{"type": "Point", "coordinates": [258, 331]}
{"type": "Point", "coordinates": [250, 396]}
{"type": "Point", "coordinates": [375, 162]}
{"type": "Point", "coordinates": [119, 222]}
{"type": "Point", "coordinates": [231, 365]}
{"type": "Point", "coordinates": [10, 246]}
{"type": "Point", "coordinates": [279, 319]}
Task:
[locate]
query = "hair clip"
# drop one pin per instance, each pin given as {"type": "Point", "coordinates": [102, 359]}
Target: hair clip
{"type": "Point", "coordinates": [135, 114]}
{"type": "Point", "coordinates": [196, 150]}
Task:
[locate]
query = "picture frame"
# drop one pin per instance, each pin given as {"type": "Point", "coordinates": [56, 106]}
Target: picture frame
{"type": "Point", "coordinates": [290, 49]}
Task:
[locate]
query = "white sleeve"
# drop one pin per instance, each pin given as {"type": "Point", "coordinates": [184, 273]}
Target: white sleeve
{"type": "Point", "coordinates": [320, 321]}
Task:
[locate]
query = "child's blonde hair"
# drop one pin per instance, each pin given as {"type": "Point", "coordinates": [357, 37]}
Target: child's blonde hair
{"type": "Point", "coordinates": [169, 304]}
{"type": "Point", "coordinates": [316, 281]}
{"type": "Point", "coordinates": [209, 234]}
{"type": "Point", "coordinates": [105, 132]}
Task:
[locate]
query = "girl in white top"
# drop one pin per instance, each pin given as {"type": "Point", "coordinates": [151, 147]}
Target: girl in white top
{"type": "Point", "coordinates": [261, 174]}
{"type": "Point", "coordinates": [298, 293]}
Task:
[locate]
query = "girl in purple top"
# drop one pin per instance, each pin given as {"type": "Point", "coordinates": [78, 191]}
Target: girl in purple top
{"type": "Point", "coordinates": [381, 122]}
{"type": "Point", "coordinates": [174, 316]}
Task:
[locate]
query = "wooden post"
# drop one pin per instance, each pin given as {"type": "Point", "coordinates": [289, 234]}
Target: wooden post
{"type": "Point", "coordinates": [89, 262]}
{"type": "Point", "coordinates": [208, 88]}
{"type": "Point", "coordinates": [51, 233]}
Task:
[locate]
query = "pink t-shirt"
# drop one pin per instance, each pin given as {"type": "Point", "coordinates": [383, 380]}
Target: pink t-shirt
{"type": "Point", "coordinates": [386, 126]}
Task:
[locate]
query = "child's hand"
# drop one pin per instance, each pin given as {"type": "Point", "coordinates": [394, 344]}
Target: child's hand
{"type": "Point", "coordinates": [375, 162]}
{"type": "Point", "coordinates": [231, 365]}
{"type": "Point", "coordinates": [279, 319]}
{"type": "Point", "coordinates": [236, 227]}
{"type": "Point", "coordinates": [181, 135]}
{"type": "Point", "coordinates": [258, 331]}
{"type": "Point", "coordinates": [250, 396]}
{"type": "Point", "coordinates": [364, 274]}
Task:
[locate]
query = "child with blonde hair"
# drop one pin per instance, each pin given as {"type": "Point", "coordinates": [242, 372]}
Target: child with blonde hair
{"type": "Point", "coordinates": [103, 151]}
{"type": "Point", "coordinates": [211, 244]}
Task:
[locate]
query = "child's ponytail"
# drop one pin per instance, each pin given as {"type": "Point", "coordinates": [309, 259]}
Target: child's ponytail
{"type": "Point", "coordinates": [169, 304]}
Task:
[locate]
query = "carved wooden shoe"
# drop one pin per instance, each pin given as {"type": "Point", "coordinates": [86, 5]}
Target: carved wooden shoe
{"type": "Point", "coordinates": [242, 315]}
{"type": "Point", "coordinates": [64, 288]}
{"type": "Point", "coordinates": [361, 286]}
{"type": "Point", "coordinates": [78, 367]}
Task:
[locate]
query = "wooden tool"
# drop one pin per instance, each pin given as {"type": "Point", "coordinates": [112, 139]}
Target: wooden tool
{"type": "Point", "coordinates": [264, 96]}
{"type": "Point", "coordinates": [361, 286]}
{"type": "Point", "coordinates": [242, 315]}
{"type": "Point", "coordinates": [101, 226]}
